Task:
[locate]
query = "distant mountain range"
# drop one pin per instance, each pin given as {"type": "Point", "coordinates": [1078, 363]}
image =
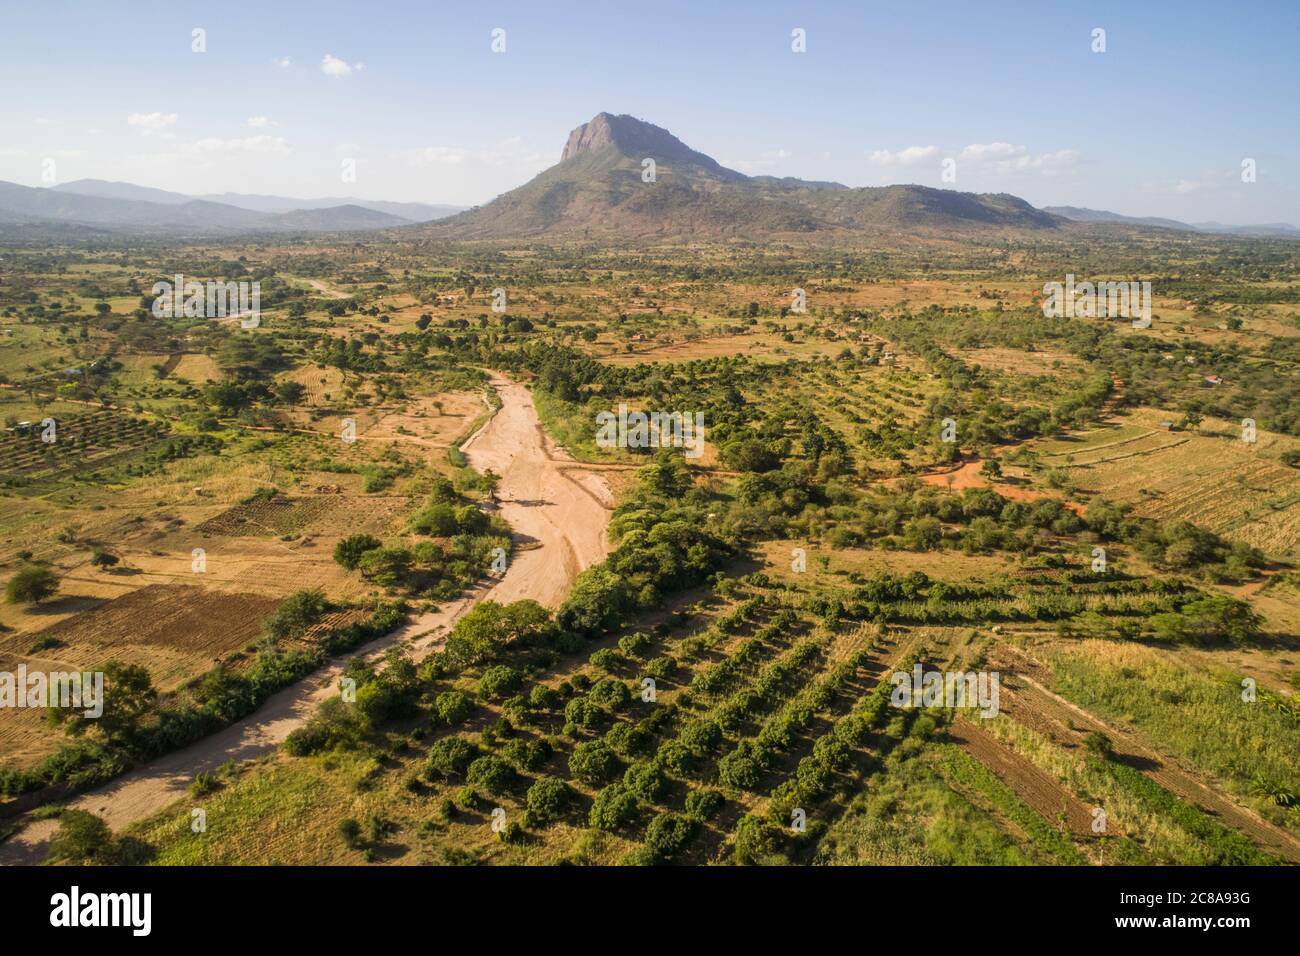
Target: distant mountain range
{"type": "Point", "coordinates": [98, 206]}
{"type": "Point", "coordinates": [1078, 214]}
{"type": "Point", "coordinates": [601, 188]}
{"type": "Point", "coordinates": [618, 178]}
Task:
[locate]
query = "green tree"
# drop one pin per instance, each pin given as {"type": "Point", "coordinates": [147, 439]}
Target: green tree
{"type": "Point", "coordinates": [31, 585]}
{"type": "Point", "coordinates": [349, 550]}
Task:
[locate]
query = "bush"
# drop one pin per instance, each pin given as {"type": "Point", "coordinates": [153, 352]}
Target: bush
{"type": "Point", "coordinates": [661, 668]}
{"type": "Point", "coordinates": [668, 835]}
{"type": "Point", "coordinates": [453, 707]}
{"type": "Point", "coordinates": [584, 713]}
{"type": "Point", "coordinates": [740, 769]}
{"type": "Point", "coordinates": [499, 681]}
{"type": "Point", "coordinates": [104, 559]}
{"type": "Point", "coordinates": [593, 763]}
{"type": "Point", "coordinates": [703, 804]}
{"type": "Point", "coordinates": [542, 697]}
{"type": "Point", "coordinates": [606, 659]}
{"type": "Point", "coordinates": [547, 800]}
{"type": "Point", "coordinates": [527, 754]}
{"type": "Point", "coordinates": [646, 781]}
{"type": "Point", "coordinates": [627, 739]}
{"type": "Point", "coordinates": [492, 774]}
{"type": "Point", "coordinates": [757, 840]}
{"type": "Point", "coordinates": [31, 585]}
{"type": "Point", "coordinates": [451, 756]}
{"type": "Point", "coordinates": [81, 838]}
{"type": "Point", "coordinates": [701, 736]}
{"type": "Point", "coordinates": [437, 520]}
{"type": "Point", "coordinates": [613, 808]}
{"type": "Point", "coordinates": [675, 758]}
{"type": "Point", "coordinates": [634, 644]}
{"type": "Point", "coordinates": [348, 551]}
{"type": "Point", "coordinates": [610, 693]}
{"type": "Point", "coordinates": [296, 613]}
{"type": "Point", "coordinates": [350, 832]}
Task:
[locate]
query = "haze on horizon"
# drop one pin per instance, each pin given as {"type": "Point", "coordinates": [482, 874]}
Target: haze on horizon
{"type": "Point", "coordinates": [1157, 125]}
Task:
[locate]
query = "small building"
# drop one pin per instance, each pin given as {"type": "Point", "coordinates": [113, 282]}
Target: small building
{"type": "Point", "coordinates": [1166, 426]}
{"type": "Point", "coordinates": [1213, 380]}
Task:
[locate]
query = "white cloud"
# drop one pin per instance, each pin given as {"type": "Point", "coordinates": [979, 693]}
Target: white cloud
{"type": "Point", "coordinates": [150, 123]}
{"type": "Point", "coordinates": [46, 121]}
{"type": "Point", "coordinates": [283, 62]}
{"type": "Point", "coordinates": [910, 156]}
{"type": "Point", "coordinates": [1008, 159]}
{"type": "Point", "coordinates": [331, 65]}
{"type": "Point", "coordinates": [261, 122]}
{"type": "Point", "coordinates": [1185, 186]}
{"type": "Point", "coordinates": [248, 144]}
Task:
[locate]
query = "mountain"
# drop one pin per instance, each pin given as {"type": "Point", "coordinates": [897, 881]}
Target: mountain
{"type": "Point", "coordinates": [192, 216]}
{"type": "Point", "coordinates": [1079, 214]}
{"type": "Point", "coordinates": [412, 211]}
{"type": "Point", "coordinates": [111, 190]}
{"type": "Point", "coordinates": [597, 189]}
{"type": "Point", "coordinates": [1281, 230]}
{"type": "Point", "coordinates": [336, 218]}
{"type": "Point", "coordinates": [105, 207]}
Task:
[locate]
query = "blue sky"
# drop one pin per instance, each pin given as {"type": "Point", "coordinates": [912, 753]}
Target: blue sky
{"type": "Point", "coordinates": [1158, 124]}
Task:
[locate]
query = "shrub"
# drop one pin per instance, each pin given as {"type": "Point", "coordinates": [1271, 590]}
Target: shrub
{"type": "Point", "coordinates": [668, 835]}
{"type": "Point", "coordinates": [81, 838]}
{"type": "Point", "coordinates": [832, 753]}
{"type": "Point", "coordinates": [350, 831]}
{"type": "Point", "coordinates": [542, 697]}
{"type": "Point", "coordinates": [547, 800]}
{"type": "Point", "coordinates": [499, 681]}
{"type": "Point", "coordinates": [646, 781]}
{"type": "Point", "coordinates": [104, 559]}
{"type": "Point", "coordinates": [703, 804]}
{"type": "Point", "coordinates": [453, 707]}
{"type": "Point", "coordinates": [613, 808]}
{"type": "Point", "coordinates": [527, 754]}
{"type": "Point", "coordinates": [627, 739]}
{"type": "Point", "coordinates": [492, 774]}
{"type": "Point", "coordinates": [437, 520]}
{"type": "Point", "coordinates": [701, 736]}
{"type": "Point", "coordinates": [349, 550]}
{"type": "Point", "coordinates": [451, 755]}
{"type": "Point", "coordinates": [739, 769]}
{"type": "Point", "coordinates": [661, 668]}
{"type": "Point", "coordinates": [582, 712]}
{"type": "Point", "coordinates": [634, 644]}
{"type": "Point", "coordinates": [204, 783]}
{"type": "Point", "coordinates": [675, 758]}
{"type": "Point", "coordinates": [757, 840]}
{"type": "Point", "coordinates": [605, 659]}
{"type": "Point", "coordinates": [31, 585]}
{"type": "Point", "coordinates": [593, 763]}
{"type": "Point", "coordinates": [610, 693]}
{"type": "Point", "coordinates": [296, 613]}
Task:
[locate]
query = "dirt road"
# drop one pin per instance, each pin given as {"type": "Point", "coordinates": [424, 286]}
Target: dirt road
{"type": "Point", "coordinates": [559, 527]}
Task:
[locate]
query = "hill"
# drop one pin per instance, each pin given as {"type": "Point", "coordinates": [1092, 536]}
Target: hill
{"type": "Point", "coordinates": [97, 207]}
{"type": "Point", "coordinates": [598, 189]}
